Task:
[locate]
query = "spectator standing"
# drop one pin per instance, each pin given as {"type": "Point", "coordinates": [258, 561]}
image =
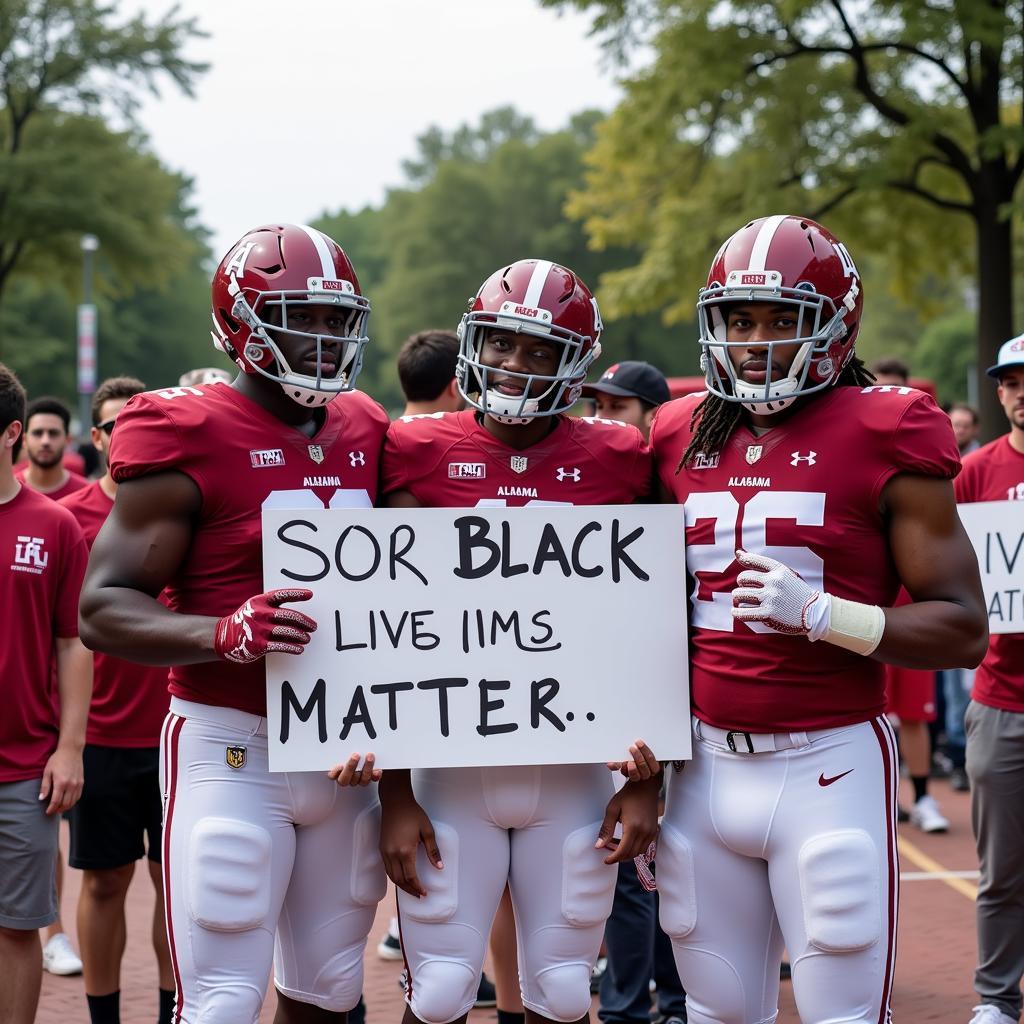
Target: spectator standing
{"type": "Point", "coordinates": [964, 420]}
{"type": "Point", "coordinates": [955, 683]}
{"type": "Point", "coordinates": [42, 560]}
{"type": "Point", "coordinates": [631, 392]}
{"type": "Point", "coordinates": [46, 445]}
{"type": "Point", "coordinates": [910, 693]}
{"type": "Point", "coordinates": [426, 371]}
{"type": "Point", "coordinates": [46, 436]}
{"type": "Point", "coordinates": [995, 732]}
{"type": "Point", "coordinates": [638, 949]}
{"type": "Point", "coordinates": [117, 821]}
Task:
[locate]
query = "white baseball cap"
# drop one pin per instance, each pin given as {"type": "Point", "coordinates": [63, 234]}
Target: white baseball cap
{"type": "Point", "coordinates": [1011, 353]}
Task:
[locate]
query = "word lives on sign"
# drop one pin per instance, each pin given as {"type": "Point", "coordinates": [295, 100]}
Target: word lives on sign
{"type": "Point", "coordinates": [485, 636]}
{"type": "Point", "coordinates": [996, 529]}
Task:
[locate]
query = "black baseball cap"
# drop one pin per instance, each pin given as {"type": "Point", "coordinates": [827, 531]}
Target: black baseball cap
{"type": "Point", "coordinates": [631, 379]}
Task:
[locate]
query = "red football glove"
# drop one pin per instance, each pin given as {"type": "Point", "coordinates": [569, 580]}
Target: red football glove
{"type": "Point", "coordinates": [261, 625]}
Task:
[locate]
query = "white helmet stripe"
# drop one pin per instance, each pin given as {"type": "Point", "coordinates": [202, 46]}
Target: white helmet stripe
{"type": "Point", "coordinates": [537, 281]}
{"type": "Point", "coordinates": [322, 250]}
{"type": "Point", "coordinates": [759, 253]}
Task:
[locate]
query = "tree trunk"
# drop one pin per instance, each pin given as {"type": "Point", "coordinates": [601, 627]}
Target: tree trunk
{"type": "Point", "coordinates": [995, 309]}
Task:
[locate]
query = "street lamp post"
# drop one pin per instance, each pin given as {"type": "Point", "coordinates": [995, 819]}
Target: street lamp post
{"type": "Point", "coordinates": [86, 337]}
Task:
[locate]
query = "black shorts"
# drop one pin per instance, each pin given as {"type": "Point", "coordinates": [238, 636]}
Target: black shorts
{"type": "Point", "coordinates": [120, 804]}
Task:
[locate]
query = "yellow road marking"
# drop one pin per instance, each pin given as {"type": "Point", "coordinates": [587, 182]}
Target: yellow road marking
{"type": "Point", "coordinates": [925, 863]}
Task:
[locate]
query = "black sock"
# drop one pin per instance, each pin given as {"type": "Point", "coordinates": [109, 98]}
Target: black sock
{"type": "Point", "coordinates": [166, 1006]}
{"type": "Point", "coordinates": [508, 1017]}
{"type": "Point", "coordinates": [105, 1009]}
{"type": "Point", "coordinates": [920, 786]}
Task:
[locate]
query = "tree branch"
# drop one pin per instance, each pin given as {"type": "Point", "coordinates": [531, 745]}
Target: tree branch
{"type": "Point", "coordinates": [922, 193]}
{"type": "Point", "coordinates": [830, 204]}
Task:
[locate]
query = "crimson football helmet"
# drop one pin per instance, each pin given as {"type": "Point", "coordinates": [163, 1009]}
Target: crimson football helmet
{"type": "Point", "coordinates": [534, 297]}
{"type": "Point", "coordinates": [785, 261]}
{"type": "Point", "coordinates": [275, 269]}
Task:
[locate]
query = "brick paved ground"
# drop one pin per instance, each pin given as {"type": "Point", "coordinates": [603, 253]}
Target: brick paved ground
{"type": "Point", "coordinates": [934, 965]}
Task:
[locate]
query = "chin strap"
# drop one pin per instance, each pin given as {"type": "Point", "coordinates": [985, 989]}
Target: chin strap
{"type": "Point", "coordinates": [508, 410]}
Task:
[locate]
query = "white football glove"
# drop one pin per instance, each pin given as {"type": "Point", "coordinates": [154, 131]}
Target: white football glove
{"type": "Point", "coordinates": [768, 591]}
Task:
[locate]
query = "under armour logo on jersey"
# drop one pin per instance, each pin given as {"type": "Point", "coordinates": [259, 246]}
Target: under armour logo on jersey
{"type": "Point", "coordinates": [796, 458]}
{"type": "Point", "coordinates": [568, 474]}
{"type": "Point", "coordinates": [357, 459]}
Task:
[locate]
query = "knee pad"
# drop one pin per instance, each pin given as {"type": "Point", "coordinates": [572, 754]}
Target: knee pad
{"type": "Point", "coordinates": [225, 1004]}
{"type": "Point", "coordinates": [588, 884]}
{"type": "Point", "coordinates": [840, 891]}
{"type": "Point", "coordinates": [442, 899]}
{"type": "Point", "coordinates": [565, 990]}
{"type": "Point", "coordinates": [443, 990]}
{"type": "Point", "coordinates": [338, 985]}
{"type": "Point", "coordinates": [677, 888]}
{"type": "Point", "coordinates": [228, 874]}
{"type": "Point", "coordinates": [369, 879]}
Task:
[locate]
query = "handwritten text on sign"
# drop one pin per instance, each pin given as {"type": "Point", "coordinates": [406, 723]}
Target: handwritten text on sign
{"type": "Point", "coordinates": [996, 529]}
{"type": "Point", "coordinates": [456, 637]}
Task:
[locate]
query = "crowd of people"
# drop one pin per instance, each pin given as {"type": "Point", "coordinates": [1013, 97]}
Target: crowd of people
{"type": "Point", "coordinates": [137, 703]}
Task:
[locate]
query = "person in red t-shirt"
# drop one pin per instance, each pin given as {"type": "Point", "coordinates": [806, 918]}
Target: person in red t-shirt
{"type": "Point", "coordinates": [247, 853]}
{"type": "Point", "coordinates": [995, 731]}
{"type": "Point", "coordinates": [525, 345]}
{"type": "Point", "coordinates": [43, 559]}
{"type": "Point", "coordinates": [810, 496]}
{"type": "Point", "coordinates": [46, 436]}
{"type": "Point", "coordinates": [117, 821]}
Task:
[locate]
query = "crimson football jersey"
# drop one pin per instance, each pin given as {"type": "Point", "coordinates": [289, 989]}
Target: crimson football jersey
{"type": "Point", "coordinates": [237, 454]}
{"type": "Point", "coordinates": [996, 473]}
{"type": "Point", "coordinates": [807, 494]}
{"type": "Point", "coordinates": [43, 562]}
{"type": "Point", "coordinates": [449, 460]}
{"type": "Point", "coordinates": [129, 701]}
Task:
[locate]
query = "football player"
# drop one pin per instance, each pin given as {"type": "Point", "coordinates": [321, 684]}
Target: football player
{"type": "Point", "coordinates": [453, 838]}
{"type": "Point", "coordinates": [246, 853]}
{"type": "Point", "coordinates": [810, 496]}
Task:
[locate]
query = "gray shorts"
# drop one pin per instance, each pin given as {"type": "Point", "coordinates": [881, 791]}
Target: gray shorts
{"type": "Point", "coordinates": [28, 857]}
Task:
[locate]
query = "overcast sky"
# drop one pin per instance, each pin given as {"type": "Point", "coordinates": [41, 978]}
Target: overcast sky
{"type": "Point", "coordinates": [313, 104]}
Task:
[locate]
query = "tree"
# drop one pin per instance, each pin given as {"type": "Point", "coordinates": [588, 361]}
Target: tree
{"type": "Point", "coordinates": [154, 331]}
{"type": "Point", "coordinates": [899, 121]}
{"type": "Point", "coordinates": [63, 172]}
{"type": "Point", "coordinates": [482, 196]}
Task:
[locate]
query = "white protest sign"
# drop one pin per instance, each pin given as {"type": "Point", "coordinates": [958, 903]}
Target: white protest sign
{"type": "Point", "coordinates": [486, 636]}
{"type": "Point", "coordinates": [996, 529]}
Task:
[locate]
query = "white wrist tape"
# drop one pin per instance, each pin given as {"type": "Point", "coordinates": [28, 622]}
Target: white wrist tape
{"type": "Point", "coordinates": [856, 627]}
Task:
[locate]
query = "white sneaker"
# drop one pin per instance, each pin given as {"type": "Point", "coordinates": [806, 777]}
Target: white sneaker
{"type": "Point", "coordinates": [925, 814]}
{"type": "Point", "coordinates": [59, 956]}
{"type": "Point", "coordinates": [986, 1013]}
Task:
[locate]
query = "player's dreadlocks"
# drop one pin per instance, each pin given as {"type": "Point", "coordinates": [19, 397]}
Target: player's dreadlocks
{"type": "Point", "coordinates": [716, 418]}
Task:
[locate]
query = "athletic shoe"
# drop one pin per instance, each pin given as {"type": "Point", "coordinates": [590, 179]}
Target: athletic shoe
{"type": "Point", "coordinates": [986, 1013]}
{"type": "Point", "coordinates": [59, 956]}
{"type": "Point", "coordinates": [902, 814]}
{"type": "Point", "coordinates": [926, 816]}
{"type": "Point", "coordinates": [485, 994]}
{"type": "Point", "coordinates": [598, 973]}
{"type": "Point", "coordinates": [958, 780]}
{"type": "Point", "coordinates": [389, 948]}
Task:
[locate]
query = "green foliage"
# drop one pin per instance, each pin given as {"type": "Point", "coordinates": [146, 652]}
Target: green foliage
{"type": "Point", "coordinates": [898, 123]}
{"type": "Point", "coordinates": [482, 197]}
{"type": "Point", "coordinates": [64, 171]}
{"type": "Point", "coordinates": [948, 350]}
